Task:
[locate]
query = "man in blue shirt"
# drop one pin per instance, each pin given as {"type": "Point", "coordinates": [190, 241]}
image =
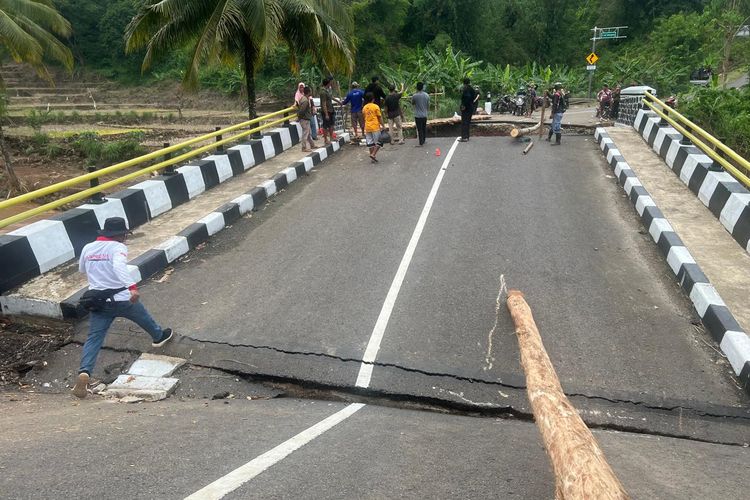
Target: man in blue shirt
{"type": "Point", "coordinates": [355, 98]}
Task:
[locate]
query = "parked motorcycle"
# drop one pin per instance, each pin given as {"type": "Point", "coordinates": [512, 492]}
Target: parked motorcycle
{"type": "Point", "coordinates": [504, 104]}
{"type": "Point", "coordinates": [520, 104]}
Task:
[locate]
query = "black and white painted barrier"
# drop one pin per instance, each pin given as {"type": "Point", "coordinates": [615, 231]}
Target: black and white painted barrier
{"type": "Point", "coordinates": [724, 196]}
{"type": "Point", "coordinates": [712, 310]}
{"type": "Point", "coordinates": [43, 245]}
{"type": "Point", "coordinates": [159, 257]}
{"type": "Point", "coordinates": [631, 102]}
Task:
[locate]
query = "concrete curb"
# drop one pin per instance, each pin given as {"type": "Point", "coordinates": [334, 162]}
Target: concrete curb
{"type": "Point", "coordinates": [714, 313]}
{"type": "Point", "coordinates": [43, 245]}
{"type": "Point", "coordinates": [162, 255]}
{"type": "Point", "coordinates": [721, 193]}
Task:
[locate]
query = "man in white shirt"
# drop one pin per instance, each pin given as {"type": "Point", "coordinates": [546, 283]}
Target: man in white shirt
{"type": "Point", "coordinates": [104, 262]}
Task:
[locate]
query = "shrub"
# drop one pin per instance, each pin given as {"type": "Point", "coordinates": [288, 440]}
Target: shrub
{"type": "Point", "coordinates": [131, 117]}
{"type": "Point", "coordinates": [725, 113]}
{"type": "Point", "coordinates": [91, 145]}
{"type": "Point", "coordinates": [88, 144]}
{"type": "Point", "coordinates": [53, 150]}
{"type": "Point", "coordinates": [35, 120]}
{"type": "Point", "coordinates": [39, 139]}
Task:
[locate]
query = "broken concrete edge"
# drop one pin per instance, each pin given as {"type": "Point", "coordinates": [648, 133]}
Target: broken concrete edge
{"type": "Point", "coordinates": [161, 256]}
{"type": "Point", "coordinates": [726, 198]}
{"type": "Point", "coordinates": [40, 246]}
{"type": "Point", "coordinates": [714, 313]}
{"type": "Point", "coordinates": [142, 394]}
{"type": "Point", "coordinates": [155, 365]}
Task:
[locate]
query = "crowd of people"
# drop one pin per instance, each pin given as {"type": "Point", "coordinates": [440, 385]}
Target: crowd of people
{"type": "Point", "coordinates": [372, 110]}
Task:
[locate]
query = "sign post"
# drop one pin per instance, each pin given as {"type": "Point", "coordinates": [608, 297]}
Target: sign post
{"type": "Point", "coordinates": [612, 33]}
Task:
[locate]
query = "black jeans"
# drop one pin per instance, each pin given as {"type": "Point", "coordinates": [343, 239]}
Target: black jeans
{"type": "Point", "coordinates": [465, 123]}
{"type": "Point", "coordinates": [421, 129]}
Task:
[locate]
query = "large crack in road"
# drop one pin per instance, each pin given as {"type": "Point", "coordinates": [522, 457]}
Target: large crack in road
{"type": "Point", "coordinates": [446, 392]}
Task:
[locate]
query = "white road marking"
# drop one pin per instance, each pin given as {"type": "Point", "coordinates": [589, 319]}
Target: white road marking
{"type": "Point", "coordinates": [245, 473]}
{"type": "Point", "coordinates": [373, 346]}
{"type": "Point", "coordinates": [230, 482]}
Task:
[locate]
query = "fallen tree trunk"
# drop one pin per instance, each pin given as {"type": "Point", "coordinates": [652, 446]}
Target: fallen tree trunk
{"type": "Point", "coordinates": [581, 471]}
{"type": "Point", "coordinates": [519, 132]}
{"type": "Point", "coordinates": [446, 121]}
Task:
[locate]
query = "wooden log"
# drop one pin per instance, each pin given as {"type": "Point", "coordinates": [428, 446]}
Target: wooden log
{"type": "Point", "coordinates": [541, 119]}
{"type": "Point", "coordinates": [518, 132]}
{"type": "Point", "coordinates": [581, 470]}
{"type": "Point", "coordinates": [436, 122]}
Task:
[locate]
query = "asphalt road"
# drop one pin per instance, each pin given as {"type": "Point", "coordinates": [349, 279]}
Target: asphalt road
{"type": "Point", "coordinates": [172, 449]}
{"type": "Point", "coordinates": [309, 274]}
{"type": "Point", "coordinates": [294, 293]}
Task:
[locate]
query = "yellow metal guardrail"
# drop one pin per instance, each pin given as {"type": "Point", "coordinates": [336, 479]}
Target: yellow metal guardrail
{"type": "Point", "coordinates": [133, 162]}
{"type": "Point", "coordinates": [715, 149]}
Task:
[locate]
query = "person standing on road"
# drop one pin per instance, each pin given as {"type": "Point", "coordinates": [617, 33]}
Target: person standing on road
{"type": "Point", "coordinates": [395, 115]}
{"type": "Point", "coordinates": [326, 107]}
{"type": "Point", "coordinates": [355, 98]}
{"type": "Point", "coordinates": [376, 90]}
{"type": "Point", "coordinates": [314, 121]}
{"type": "Point", "coordinates": [112, 293]}
{"type": "Point", "coordinates": [304, 115]}
{"type": "Point", "coordinates": [559, 105]}
{"type": "Point", "coordinates": [532, 100]}
{"type": "Point", "coordinates": [467, 109]}
{"type": "Point", "coordinates": [421, 102]}
{"type": "Point", "coordinates": [373, 126]}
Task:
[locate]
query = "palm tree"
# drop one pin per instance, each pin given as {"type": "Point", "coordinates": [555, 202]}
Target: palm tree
{"type": "Point", "coordinates": [227, 31]}
{"type": "Point", "coordinates": [28, 30]}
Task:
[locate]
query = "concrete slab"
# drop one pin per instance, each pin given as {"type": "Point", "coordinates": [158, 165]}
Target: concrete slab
{"type": "Point", "coordinates": [128, 396]}
{"type": "Point", "coordinates": [148, 388]}
{"type": "Point", "coordinates": [155, 365]}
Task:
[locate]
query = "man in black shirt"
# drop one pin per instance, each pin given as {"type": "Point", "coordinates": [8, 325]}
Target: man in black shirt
{"type": "Point", "coordinates": [559, 105]}
{"type": "Point", "coordinates": [467, 109]}
{"type": "Point", "coordinates": [395, 114]}
{"type": "Point", "coordinates": [377, 92]}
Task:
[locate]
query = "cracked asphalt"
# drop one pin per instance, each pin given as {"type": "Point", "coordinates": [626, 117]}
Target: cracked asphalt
{"type": "Point", "coordinates": [292, 294]}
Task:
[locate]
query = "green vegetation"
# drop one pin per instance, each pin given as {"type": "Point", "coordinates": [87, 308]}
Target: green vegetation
{"type": "Point", "coordinates": [234, 46]}
{"type": "Point", "coordinates": [94, 149]}
{"type": "Point", "coordinates": [241, 32]}
{"type": "Point", "coordinates": [28, 34]}
{"type": "Point", "coordinates": [724, 113]}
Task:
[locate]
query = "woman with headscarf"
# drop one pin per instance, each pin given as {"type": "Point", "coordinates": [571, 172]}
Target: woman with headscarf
{"type": "Point", "coordinates": [314, 122]}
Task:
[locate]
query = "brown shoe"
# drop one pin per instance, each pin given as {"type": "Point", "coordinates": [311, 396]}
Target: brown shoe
{"type": "Point", "coordinates": [81, 389]}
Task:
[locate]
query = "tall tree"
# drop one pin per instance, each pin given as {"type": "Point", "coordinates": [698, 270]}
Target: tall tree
{"type": "Point", "coordinates": [227, 31]}
{"type": "Point", "coordinates": [28, 33]}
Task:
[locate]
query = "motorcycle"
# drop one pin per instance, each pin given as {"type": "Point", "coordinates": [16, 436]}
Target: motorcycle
{"type": "Point", "coordinates": [520, 104]}
{"type": "Point", "coordinates": [503, 105]}
{"type": "Point", "coordinates": [606, 110]}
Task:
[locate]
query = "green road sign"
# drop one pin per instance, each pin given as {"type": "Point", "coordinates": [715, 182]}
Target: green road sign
{"type": "Point", "coordinates": [608, 34]}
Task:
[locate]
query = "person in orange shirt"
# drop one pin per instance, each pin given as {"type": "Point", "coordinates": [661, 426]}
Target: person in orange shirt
{"type": "Point", "coordinates": [373, 125]}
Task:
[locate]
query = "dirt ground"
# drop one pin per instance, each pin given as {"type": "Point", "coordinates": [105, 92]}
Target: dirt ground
{"type": "Point", "coordinates": [25, 345]}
